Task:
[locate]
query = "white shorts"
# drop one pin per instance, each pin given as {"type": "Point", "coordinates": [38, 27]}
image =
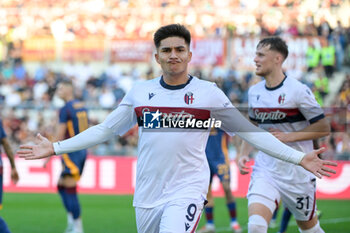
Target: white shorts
{"type": "Point", "coordinates": [298, 198]}
{"type": "Point", "coordinates": [178, 216]}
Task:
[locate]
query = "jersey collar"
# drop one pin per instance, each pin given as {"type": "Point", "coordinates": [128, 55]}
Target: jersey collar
{"type": "Point", "coordinates": [276, 87]}
{"type": "Point", "coordinates": [175, 87]}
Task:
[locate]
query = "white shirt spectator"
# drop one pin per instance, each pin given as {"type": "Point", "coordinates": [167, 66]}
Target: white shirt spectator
{"type": "Point", "coordinates": [107, 99]}
{"type": "Point", "coordinates": [39, 89]}
{"type": "Point", "coordinates": [12, 99]}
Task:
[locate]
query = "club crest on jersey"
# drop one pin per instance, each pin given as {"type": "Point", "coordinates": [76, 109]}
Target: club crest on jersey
{"type": "Point", "coordinates": [281, 98]}
{"type": "Point", "coordinates": [189, 98]}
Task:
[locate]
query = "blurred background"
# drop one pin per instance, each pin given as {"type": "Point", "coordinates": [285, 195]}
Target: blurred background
{"type": "Point", "coordinates": [105, 46]}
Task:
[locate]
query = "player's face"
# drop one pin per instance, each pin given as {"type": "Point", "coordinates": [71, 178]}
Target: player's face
{"type": "Point", "coordinates": [265, 60]}
{"type": "Point", "coordinates": [62, 91]}
{"type": "Point", "coordinates": [173, 55]}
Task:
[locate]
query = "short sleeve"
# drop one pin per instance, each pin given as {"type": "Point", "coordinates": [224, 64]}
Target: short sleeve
{"type": "Point", "coordinates": [308, 105]}
{"type": "Point", "coordinates": [250, 109]}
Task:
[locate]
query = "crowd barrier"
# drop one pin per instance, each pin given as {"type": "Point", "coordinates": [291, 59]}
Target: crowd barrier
{"type": "Point", "coordinates": [116, 175]}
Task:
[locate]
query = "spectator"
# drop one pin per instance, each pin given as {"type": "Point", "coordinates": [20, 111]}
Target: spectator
{"type": "Point", "coordinates": [7, 71]}
{"type": "Point", "coordinates": [324, 29]}
{"type": "Point", "coordinates": [312, 56]}
{"type": "Point", "coordinates": [343, 148]}
{"type": "Point", "coordinates": [107, 98]}
{"type": "Point", "coordinates": [40, 72]}
{"type": "Point", "coordinates": [321, 83]}
{"type": "Point", "coordinates": [19, 71]}
{"type": "Point", "coordinates": [339, 41]}
{"type": "Point", "coordinates": [328, 58]}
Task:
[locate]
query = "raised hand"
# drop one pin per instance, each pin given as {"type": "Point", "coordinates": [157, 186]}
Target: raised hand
{"type": "Point", "coordinates": [315, 165]}
{"type": "Point", "coordinates": [43, 149]}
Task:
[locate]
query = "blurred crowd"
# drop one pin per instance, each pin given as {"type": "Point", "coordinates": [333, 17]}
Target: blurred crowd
{"type": "Point", "coordinates": [28, 102]}
{"type": "Point", "coordinates": [30, 105]}
{"type": "Point", "coordinates": [65, 19]}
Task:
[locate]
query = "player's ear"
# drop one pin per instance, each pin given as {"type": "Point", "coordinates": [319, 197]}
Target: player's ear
{"type": "Point", "coordinates": [156, 56]}
{"type": "Point", "coordinates": [279, 58]}
{"type": "Point", "coordinates": [189, 56]}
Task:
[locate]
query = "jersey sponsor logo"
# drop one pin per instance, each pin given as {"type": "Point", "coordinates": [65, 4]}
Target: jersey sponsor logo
{"type": "Point", "coordinates": [150, 95]}
{"type": "Point", "coordinates": [163, 117]}
{"type": "Point", "coordinates": [273, 115]}
{"type": "Point", "coordinates": [277, 115]}
{"type": "Point", "coordinates": [281, 98]}
{"type": "Point", "coordinates": [189, 98]}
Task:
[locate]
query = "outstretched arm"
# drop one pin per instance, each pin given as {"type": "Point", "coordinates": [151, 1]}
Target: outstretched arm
{"type": "Point", "coordinates": [61, 131]}
{"type": "Point", "coordinates": [88, 138]}
{"type": "Point", "coordinates": [234, 122]}
{"type": "Point", "coordinates": [315, 165]}
{"type": "Point", "coordinates": [119, 121]}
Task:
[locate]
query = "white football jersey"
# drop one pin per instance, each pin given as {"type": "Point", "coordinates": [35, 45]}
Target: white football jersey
{"type": "Point", "coordinates": [289, 107]}
{"type": "Point", "coordinates": [171, 161]}
{"type": "Point", "coordinates": [174, 125]}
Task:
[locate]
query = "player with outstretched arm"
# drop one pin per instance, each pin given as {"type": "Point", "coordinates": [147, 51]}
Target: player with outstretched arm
{"type": "Point", "coordinates": [172, 176]}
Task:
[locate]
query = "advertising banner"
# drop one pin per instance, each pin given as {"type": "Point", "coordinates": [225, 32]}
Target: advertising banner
{"type": "Point", "coordinates": [132, 50]}
{"type": "Point", "coordinates": [82, 49]}
{"type": "Point", "coordinates": [116, 175]}
{"type": "Point", "coordinates": [39, 48]}
{"type": "Point", "coordinates": [208, 52]}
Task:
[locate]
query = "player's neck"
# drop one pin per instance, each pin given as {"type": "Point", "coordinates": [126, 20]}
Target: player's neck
{"type": "Point", "coordinates": [174, 80]}
{"type": "Point", "coordinates": [274, 79]}
{"type": "Point", "coordinates": [68, 98]}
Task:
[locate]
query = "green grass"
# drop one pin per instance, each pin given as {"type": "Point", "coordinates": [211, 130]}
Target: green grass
{"type": "Point", "coordinates": [43, 213]}
{"type": "Point", "coordinates": [335, 216]}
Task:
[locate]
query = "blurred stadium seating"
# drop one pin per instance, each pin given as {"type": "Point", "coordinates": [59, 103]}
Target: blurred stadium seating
{"type": "Point", "coordinates": [105, 46]}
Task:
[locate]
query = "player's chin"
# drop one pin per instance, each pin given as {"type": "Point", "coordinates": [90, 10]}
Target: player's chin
{"type": "Point", "coordinates": [259, 73]}
{"type": "Point", "coordinates": [175, 72]}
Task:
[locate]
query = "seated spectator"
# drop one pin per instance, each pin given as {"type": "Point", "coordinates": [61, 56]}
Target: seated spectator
{"type": "Point", "coordinates": [343, 148]}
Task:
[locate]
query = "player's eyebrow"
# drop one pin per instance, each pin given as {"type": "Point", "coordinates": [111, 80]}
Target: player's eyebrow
{"type": "Point", "coordinates": [169, 47]}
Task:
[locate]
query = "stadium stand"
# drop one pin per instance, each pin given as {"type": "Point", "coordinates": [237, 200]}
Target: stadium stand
{"type": "Point", "coordinates": [62, 39]}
